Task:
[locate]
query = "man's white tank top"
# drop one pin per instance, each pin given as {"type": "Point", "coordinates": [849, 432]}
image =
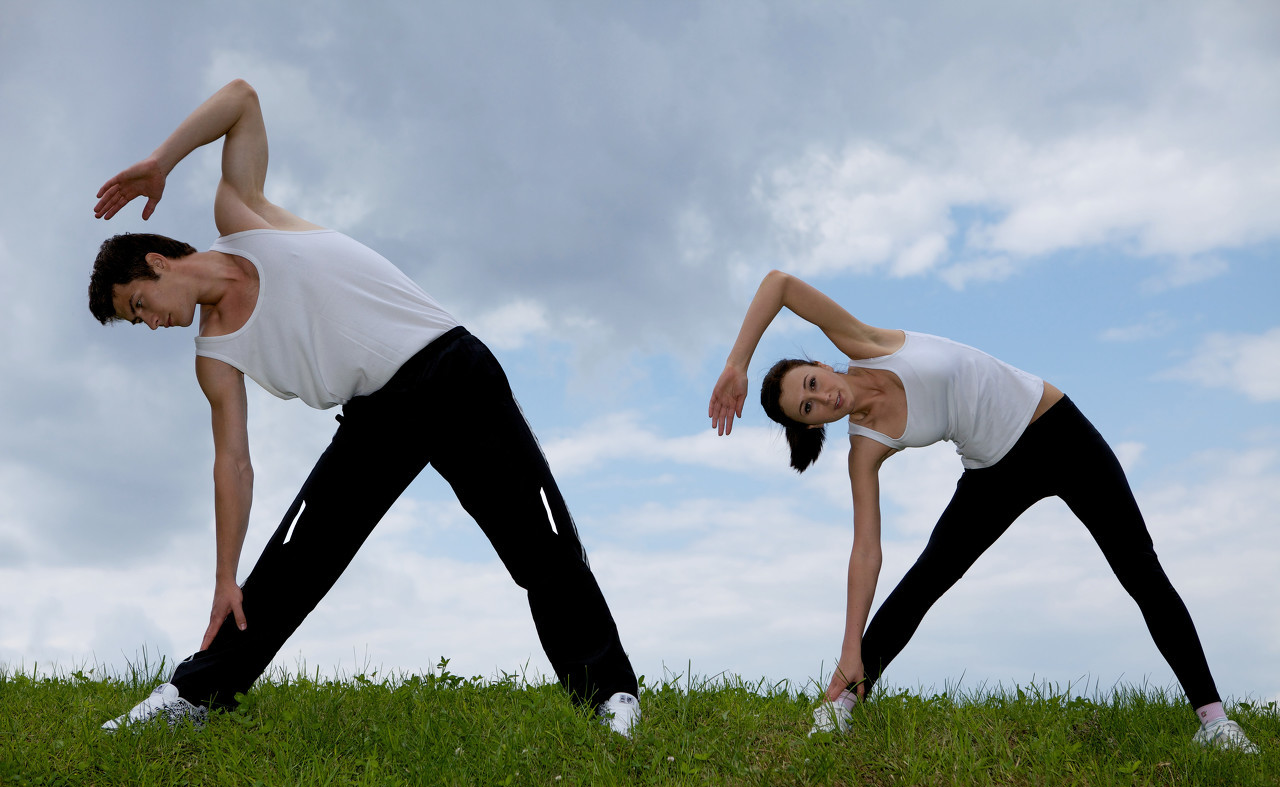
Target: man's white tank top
{"type": "Point", "coordinates": [957, 393]}
{"type": "Point", "coordinates": [334, 319]}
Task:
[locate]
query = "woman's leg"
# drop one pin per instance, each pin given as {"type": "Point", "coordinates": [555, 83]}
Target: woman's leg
{"type": "Point", "coordinates": [1093, 485]}
{"type": "Point", "coordinates": [985, 503]}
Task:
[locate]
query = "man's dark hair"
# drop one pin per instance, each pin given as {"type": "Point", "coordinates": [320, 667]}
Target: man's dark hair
{"type": "Point", "coordinates": [122, 259]}
{"type": "Point", "coordinates": [805, 442]}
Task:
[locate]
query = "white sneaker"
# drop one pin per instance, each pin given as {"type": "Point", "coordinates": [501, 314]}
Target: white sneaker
{"type": "Point", "coordinates": [163, 702]}
{"type": "Point", "coordinates": [830, 717]}
{"type": "Point", "coordinates": [1224, 734]}
{"type": "Point", "coordinates": [620, 713]}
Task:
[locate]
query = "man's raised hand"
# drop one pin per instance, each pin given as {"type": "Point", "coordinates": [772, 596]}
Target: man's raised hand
{"type": "Point", "coordinates": [144, 179]}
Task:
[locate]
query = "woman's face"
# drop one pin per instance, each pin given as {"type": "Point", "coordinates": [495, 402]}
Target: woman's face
{"type": "Point", "coordinates": [815, 394]}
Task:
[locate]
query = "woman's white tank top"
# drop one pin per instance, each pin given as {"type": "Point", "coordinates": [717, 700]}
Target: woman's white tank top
{"type": "Point", "coordinates": [957, 393]}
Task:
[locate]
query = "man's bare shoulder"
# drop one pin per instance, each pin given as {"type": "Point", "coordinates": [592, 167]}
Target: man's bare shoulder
{"type": "Point", "coordinates": [218, 379]}
{"type": "Point", "coordinates": [233, 214]}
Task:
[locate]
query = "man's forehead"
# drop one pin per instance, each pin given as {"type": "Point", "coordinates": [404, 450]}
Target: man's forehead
{"type": "Point", "coordinates": [120, 300]}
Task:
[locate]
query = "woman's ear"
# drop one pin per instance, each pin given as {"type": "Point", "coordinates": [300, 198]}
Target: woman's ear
{"type": "Point", "coordinates": [823, 365]}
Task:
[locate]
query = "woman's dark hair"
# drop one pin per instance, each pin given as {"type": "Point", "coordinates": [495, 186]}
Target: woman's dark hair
{"type": "Point", "coordinates": [805, 442]}
{"type": "Point", "coordinates": [122, 259]}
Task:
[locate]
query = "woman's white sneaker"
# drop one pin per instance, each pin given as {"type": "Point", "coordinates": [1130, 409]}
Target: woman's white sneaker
{"type": "Point", "coordinates": [620, 713]}
{"type": "Point", "coordinates": [830, 717]}
{"type": "Point", "coordinates": [1224, 734]}
{"type": "Point", "coordinates": [165, 703]}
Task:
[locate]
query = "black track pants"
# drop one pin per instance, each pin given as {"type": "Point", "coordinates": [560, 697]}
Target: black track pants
{"type": "Point", "coordinates": [1060, 454]}
{"type": "Point", "coordinates": [450, 406]}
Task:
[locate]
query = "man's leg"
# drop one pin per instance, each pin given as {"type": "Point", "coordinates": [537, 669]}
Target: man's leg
{"type": "Point", "coordinates": [492, 460]}
{"type": "Point", "coordinates": [353, 484]}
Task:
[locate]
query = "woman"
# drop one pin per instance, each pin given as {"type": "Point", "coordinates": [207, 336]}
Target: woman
{"type": "Point", "coordinates": [1020, 440]}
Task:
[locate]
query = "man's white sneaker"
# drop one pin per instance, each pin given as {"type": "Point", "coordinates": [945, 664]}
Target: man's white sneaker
{"type": "Point", "coordinates": [165, 703]}
{"type": "Point", "coordinates": [1224, 734]}
{"type": "Point", "coordinates": [830, 717]}
{"type": "Point", "coordinates": [620, 713]}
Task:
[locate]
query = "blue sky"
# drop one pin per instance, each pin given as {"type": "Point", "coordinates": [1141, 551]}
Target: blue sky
{"type": "Point", "coordinates": [1084, 190]}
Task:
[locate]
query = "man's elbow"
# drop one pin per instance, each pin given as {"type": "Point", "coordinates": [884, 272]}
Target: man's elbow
{"type": "Point", "coordinates": [242, 90]}
{"type": "Point", "coordinates": [238, 470]}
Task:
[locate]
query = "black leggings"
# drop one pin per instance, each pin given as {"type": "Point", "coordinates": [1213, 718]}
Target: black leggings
{"type": "Point", "coordinates": [451, 406]}
{"type": "Point", "coordinates": [1059, 454]}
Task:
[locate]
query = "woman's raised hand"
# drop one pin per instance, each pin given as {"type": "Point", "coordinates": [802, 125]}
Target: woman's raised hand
{"type": "Point", "coordinates": [727, 399]}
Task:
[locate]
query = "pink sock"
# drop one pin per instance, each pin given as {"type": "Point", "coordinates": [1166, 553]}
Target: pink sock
{"type": "Point", "coordinates": [1210, 713]}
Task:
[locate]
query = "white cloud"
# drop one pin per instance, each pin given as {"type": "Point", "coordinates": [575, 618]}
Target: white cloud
{"type": "Point", "coordinates": [752, 449]}
{"type": "Point", "coordinates": [1185, 272]}
{"type": "Point", "coordinates": [510, 326]}
{"type": "Point", "coordinates": [862, 209]}
{"type": "Point", "coordinates": [983, 269]}
{"type": "Point", "coordinates": [1246, 363]}
{"type": "Point", "coordinates": [867, 208]}
{"type": "Point", "coordinates": [1152, 326]}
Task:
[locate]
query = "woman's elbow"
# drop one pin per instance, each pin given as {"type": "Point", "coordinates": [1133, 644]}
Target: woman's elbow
{"type": "Point", "coordinates": [777, 278]}
{"type": "Point", "coordinates": [869, 551]}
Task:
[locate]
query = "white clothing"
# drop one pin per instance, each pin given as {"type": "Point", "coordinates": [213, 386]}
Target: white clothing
{"type": "Point", "coordinates": [957, 393]}
{"type": "Point", "coordinates": [334, 319]}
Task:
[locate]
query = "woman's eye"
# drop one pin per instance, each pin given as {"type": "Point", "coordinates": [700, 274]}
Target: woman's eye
{"type": "Point", "coordinates": [807, 408]}
{"type": "Point", "coordinates": [813, 383]}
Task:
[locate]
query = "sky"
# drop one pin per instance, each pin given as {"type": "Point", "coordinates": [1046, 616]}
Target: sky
{"type": "Point", "coordinates": [1086, 190]}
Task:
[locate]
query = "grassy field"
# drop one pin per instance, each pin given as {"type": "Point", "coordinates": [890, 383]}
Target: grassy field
{"type": "Point", "coordinates": [441, 728]}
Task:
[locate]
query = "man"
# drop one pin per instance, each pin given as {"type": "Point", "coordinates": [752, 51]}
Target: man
{"type": "Point", "coordinates": [310, 313]}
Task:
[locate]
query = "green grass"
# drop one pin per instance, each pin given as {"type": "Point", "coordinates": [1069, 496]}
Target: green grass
{"type": "Point", "coordinates": [441, 728]}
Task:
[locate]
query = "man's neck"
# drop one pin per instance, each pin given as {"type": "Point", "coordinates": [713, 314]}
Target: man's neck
{"type": "Point", "coordinates": [228, 291]}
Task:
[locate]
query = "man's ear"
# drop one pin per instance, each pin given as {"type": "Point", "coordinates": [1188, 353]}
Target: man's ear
{"type": "Point", "coordinates": [156, 260]}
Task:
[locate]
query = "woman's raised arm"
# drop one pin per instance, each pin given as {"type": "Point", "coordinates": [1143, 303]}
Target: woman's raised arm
{"type": "Point", "coordinates": [851, 336]}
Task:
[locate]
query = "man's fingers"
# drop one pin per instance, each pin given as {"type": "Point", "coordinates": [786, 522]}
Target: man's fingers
{"type": "Point", "coordinates": [209, 634]}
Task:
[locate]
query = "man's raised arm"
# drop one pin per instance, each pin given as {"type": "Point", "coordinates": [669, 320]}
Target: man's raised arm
{"type": "Point", "coordinates": [234, 113]}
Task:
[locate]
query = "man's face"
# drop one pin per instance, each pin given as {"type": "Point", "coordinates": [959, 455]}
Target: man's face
{"type": "Point", "coordinates": [156, 303]}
